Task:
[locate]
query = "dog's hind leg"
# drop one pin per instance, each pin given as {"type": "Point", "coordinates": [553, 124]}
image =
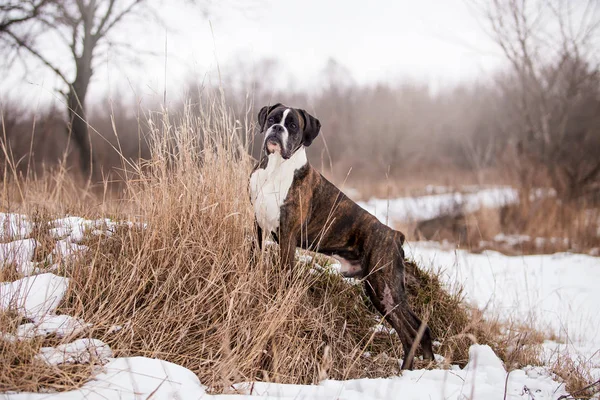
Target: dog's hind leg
{"type": "Point", "coordinates": [386, 290]}
{"type": "Point", "coordinates": [426, 341]}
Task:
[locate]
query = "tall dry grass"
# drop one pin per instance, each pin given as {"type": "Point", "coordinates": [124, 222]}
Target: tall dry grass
{"type": "Point", "coordinates": [184, 284]}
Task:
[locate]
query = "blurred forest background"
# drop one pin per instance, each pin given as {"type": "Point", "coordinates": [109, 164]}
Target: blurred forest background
{"type": "Point", "coordinates": [534, 123]}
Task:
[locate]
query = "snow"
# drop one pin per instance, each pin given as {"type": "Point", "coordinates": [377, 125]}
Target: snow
{"type": "Point", "coordinates": [76, 227]}
{"type": "Point", "coordinates": [20, 253]}
{"type": "Point", "coordinates": [81, 351]}
{"type": "Point", "coordinates": [430, 206]}
{"type": "Point", "coordinates": [557, 293]}
{"type": "Point", "coordinates": [59, 325]}
{"type": "Point", "coordinates": [34, 297]}
{"type": "Point", "coordinates": [483, 378]}
{"type": "Point", "coordinates": [131, 378]}
{"type": "Point", "coordinates": [14, 226]}
{"type": "Point", "coordinates": [66, 250]}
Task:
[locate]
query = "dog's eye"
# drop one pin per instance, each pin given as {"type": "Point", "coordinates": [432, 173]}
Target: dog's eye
{"type": "Point", "coordinates": [271, 120]}
{"type": "Point", "coordinates": [293, 125]}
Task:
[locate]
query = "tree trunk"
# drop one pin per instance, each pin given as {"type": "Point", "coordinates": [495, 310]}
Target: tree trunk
{"type": "Point", "coordinates": [76, 100]}
{"type": "Point", "coordinates": [79, 129]}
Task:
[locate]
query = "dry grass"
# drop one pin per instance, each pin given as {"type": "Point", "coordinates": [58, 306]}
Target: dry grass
{"type": "Point", "coordinates": [22, 371]}
{"type": "Point", "coordinates": [577, 377]}
{"type": "Point", "coordinates": [187, 287]}
{"type": "Point", "coordinates": [543, 226]}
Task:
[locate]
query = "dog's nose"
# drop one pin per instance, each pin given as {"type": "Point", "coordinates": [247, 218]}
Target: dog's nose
{"type": "Point", "coordinates": [277, 129]}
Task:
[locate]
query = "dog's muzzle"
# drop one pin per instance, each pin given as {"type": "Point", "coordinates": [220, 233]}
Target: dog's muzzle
{"type": "Point", "coordinates": [273, 144]}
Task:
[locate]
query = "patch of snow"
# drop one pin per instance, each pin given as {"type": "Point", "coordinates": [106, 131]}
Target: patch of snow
{"type": "Point", "coordinates": [484, 378]}
{"type": "Point", "coordinates": [114, 329]}
{"type": "Point", "coordinates": [75, 227]}
{"type": "Point", "coordinates": [80, 351]}
{"type": "Point", "coordinates": [381, 328]}
{"type": "Point", "coordinates": [141, 225]}
{"type": "Point", "coordinates": [483, 359]}
{"type": "Point", "coordinates": [59, 325]}
{"type": "Point", "coordinates": [132, 378]}
{"type": "Point", "coordinates": [100, 232]}
{"type": "Point", "coordinates": [585, 354]}
{"type": "Point", "coordinates": [34, 297]}
{"type": "Point", "coordinates": [541, 242]}
{"type": "Point", "coordinates": [303, 258]}
{"type": "Point", "coordinates": [512, 240]}
{"type": "Point", "coordinates": [28, 268]}
{"type": "Point", "coordinates": [65, 250]}
{"type": "Point", "coordinates": [557, 293]}
{"type": "Point", "coordinates": [14, 226]}
{"type": "Point", "coordinates": [18, 252]}
{"type": "Point", "coordinates": [431, 206]}
{"type": "Point", "coordinates": [437, 189]}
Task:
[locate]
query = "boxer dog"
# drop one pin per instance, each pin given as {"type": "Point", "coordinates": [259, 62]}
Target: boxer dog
{"type": "Point", "coordinates": [300, 208]}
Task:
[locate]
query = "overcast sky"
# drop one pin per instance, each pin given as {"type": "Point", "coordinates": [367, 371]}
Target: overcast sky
{"type": "Point", "coordinates": [439, 42]}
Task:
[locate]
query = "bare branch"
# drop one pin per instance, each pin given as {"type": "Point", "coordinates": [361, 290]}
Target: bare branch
{"type": "Point", "coordinates": [106, 17]}
{"type": "Point", "coordinates": [38, 55]}
{"type": "Point", "coordinates": [107, 26]}
{"type": "Point", "coordinates": [26, 14]}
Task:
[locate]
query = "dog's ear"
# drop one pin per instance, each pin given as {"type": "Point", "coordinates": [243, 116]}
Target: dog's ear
{"type": "Point", "coordinates": [262, 115]}
{"type": "Point", "coordinates": [312, 126]}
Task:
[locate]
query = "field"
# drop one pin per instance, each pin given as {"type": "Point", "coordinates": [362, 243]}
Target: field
{"type": "Point", "coordinates": [152, 289]}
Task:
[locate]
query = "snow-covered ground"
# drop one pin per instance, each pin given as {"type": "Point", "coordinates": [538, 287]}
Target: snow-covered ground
{"type": "Point", "coordinates": [556, 291]}
{"type": "Point", "coordinates": [483, 378]}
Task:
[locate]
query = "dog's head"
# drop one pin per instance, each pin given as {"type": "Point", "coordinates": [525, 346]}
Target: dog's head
{"type": "Point", "coordinates": [287, 129]}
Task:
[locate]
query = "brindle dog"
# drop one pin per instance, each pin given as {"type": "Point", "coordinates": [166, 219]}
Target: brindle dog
{"type": "Point", "coordinates": [301, 208]}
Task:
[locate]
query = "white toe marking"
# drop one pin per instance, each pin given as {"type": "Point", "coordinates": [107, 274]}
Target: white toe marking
{"type": "Point", "coordinates": [348, 268]}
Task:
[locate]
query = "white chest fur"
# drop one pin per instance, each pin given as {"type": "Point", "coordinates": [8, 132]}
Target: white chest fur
{"type": "Point", "coordinates": [269, 187]}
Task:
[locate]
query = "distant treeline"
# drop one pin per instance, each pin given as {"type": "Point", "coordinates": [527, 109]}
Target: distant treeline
{"type": "Point", "coordinates": [549, 137]}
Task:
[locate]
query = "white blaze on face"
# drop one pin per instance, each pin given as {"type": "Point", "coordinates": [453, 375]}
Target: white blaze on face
{"type": "Point", "coordinates": [285, 134]}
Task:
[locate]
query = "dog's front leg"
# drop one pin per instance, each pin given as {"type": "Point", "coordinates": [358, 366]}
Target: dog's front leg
{"type": "Point", "coordinates": [257, 243]}
{"type": "Point", "coordinates": [287, 248]}
{"type": "Point", "coordinates": [289, 228]}
{"type": "Point", "coordinates": [259, 235]}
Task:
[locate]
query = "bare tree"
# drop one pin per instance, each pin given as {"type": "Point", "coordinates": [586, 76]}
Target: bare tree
{"type": "Point", "coordinates": [551, 46]}
{"type": "Point", "coordinates": [84, 28]}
